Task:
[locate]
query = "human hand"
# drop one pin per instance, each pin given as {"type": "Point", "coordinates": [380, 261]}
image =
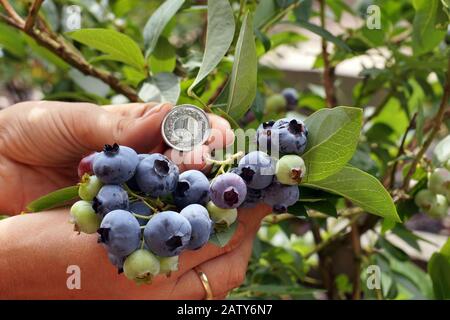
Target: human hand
{"type": "Point", "coordinates": [40, 146]}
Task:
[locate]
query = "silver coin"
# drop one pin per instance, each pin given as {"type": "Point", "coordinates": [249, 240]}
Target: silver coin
{"type": "Point", "coordinates": [185, 127]}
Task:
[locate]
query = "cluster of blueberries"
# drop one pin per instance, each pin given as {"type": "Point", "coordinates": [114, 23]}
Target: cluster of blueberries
{"type": "Point", "coordinates": [146, 212]}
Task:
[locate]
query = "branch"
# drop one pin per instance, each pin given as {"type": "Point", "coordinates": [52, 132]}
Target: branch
{"type": "Point", "coordinates": [356, 245]}
{"type": "Point", "coordinates": [437, 124]}
{"type": "Point", "coordinates": [61, 48]}
{"type": "Point", "coordinates": [12, 13]}
{"type": "Point", "coordinates": [390, 174]}
{"type": "Point", "coordinates": [34, 10]}
{"type": "Point", "coordinates": [328, 70]}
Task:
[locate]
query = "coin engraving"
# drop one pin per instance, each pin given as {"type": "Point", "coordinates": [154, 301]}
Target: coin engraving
{"type": "Point", "coordinates": [185, 127]}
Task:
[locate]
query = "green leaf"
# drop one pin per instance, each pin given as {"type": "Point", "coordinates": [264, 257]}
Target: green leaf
{"type": "Point", "coordinates": [425, 35]}
{"type": "Point", "coordinates": [221, 239]}
{"type": "Point", "coordinates": [362, 189]}
{"type": "Point", "coordinates": [439, 270]}
{"type": "Point", "coordinates": [242, 89]}
{"type": "Point", "coordinates": [163, 58]}
{"type": "Point", "coordinates": [53, 199]}
{"type": "Point", "coordinates": [333, 137]}
{"type": "Point", "coordinates": [116, 45]}
{"type": "Point", "coordinates": [164, 87]}
{"type": "Point", "coordinates": [264, 11]}
{"type": "Point", "coordinates": [12, 41]}
{"type": "Point", "coordinates": [325, 207]}
{"type": "Point", "coordinates": [321, 32]}
{"type": "Point", "coordinates": [157, 22]}
{"type": "Point", "coordinates": [219, 36]}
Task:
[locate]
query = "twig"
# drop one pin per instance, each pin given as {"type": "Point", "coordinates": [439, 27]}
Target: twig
{"type": "Point", "coordinates": [356, 245]}
{"type": "Point", "coordinates": [61, 48]}
{"type": "Point", "coordinates": [390, 175]}
{"type": "Point", "coordinates": [328, 70]}
{"type": "Point", "coordinates": [12, 13]}
{"type": "Point", "coordinates": [34, 10]}
{"type": "Point", "coordinates": [266, 26]}
{"type": "Point", "coordinates": [324, 263]}
{"type": "Point", "coordinates": [437, 124]}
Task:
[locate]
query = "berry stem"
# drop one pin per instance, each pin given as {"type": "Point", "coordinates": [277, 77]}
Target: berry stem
{"type": "Point", "coordinates": [140, 216]}
{"type": "Point", "coordinates": [227, 161]}
{"type": "Point", "coordinates": [143, 199]}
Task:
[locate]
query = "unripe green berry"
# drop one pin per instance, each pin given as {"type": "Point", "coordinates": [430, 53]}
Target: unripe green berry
{"type": "Point", "coordinates": [221, 217]}
{"type": "Point", "coordinates": [290, 169]}
{"type": "Point", "coordinates": [439, 181]}
{"type": "Point", "coordinates": [447, 164]}
{"type": "Point", "coordinates": [84, 217]}
{"type": "Point", "coordinates": [89, 187]}
{"type": "Point", "coordinates": [141, 266]}
{"type": "Point", "coordinates": [168, 265]}
{"type": "Point", "coordinates": [275, 103]}
{"type": "Point", "coordinates": [439, 208]}
{"type": "Point", "coordinates": [424, 199]}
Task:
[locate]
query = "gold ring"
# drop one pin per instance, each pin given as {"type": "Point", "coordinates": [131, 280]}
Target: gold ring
{"type": "Point", "coordinates": [205, 283]}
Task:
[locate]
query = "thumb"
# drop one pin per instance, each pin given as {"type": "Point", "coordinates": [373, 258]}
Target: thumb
{"type": "Point", "coordinates": [139, 130]}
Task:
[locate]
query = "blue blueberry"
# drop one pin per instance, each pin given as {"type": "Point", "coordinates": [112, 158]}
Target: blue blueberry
{"type": "Point", "coordinates": [192, 187]}
{"type": "Point", "coordinates": [116, 164]}
{"type": "Point", "coordinates": [142, 209]}
{"type": "Point", "coordinates": [116, 261]}
{"type": "Point", "coordinates": [109, 198]}
{"type": "Point", "coordinates": [264, 136]}
{"type": "Point", "coordinates": [120, 233]}
{"type": "Point", "coordinates": [167, 233]}
{"type": "Point", "coordinates": [292, 135]}
{"type": "Point", "coordinates": [257, 170]}
{"type": "Point", "coordinates": [253, 198]}
{"type": "Point", "coordinates": [228, 191]}
{"type": "Point", "coordinates": [201, 224]}
{"type": "Point", "coordinates": [291, 96]}
{"type": "Point", "coordinates": [281, 196]}
{"type": "Point", "coordinates": [156, 175]}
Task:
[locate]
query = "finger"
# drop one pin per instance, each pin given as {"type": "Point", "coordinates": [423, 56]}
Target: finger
{"type": "Point", "coordinates": [221, 134]}
{"type": "Point", "coordinates": [224, 273]}
{"type": "Point", "coordinates": [195, 159]}
{"type": "Point", "coordinates": [249, 221]}
{"type": "Point", "coordinates": [133, 110]}
{"type": "Point", "coordinates": [141, 133]}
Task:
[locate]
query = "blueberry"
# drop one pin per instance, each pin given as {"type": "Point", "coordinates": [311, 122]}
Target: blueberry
{"type": "Point", "coordinates": [142, 209]}
{"type": "Point", "coordinates": [292, 135]}
{"type": "Point", "coordinates": [264, 136]}
{"type": "Point", "coordinates": [290, 169]}
{"type": "Point", "coordinates": [253, 198]}
{"type": "Point", "coordinates": [201, 224]}
{"type": "Point", "coordinates": [83, 217]}
{"type": "Point", "coordinates": [141, 266]}
{"type": "Point", "coordinates": [281, 196]}
{"type": "Point", "coordinates": [167, 233]}
{"type": "Point", "coordinates": [116, 164]}
{"type": "Point", "coordinates": [168, 265]}
{"type": "Point", "coordinates": [257, 170]}
{"type": "Point", "coordinates": [228, 191]}
{"type": "Point", "coordinates": [221, 217]}
{"type": "Point", "coordinates": [291, 96]}
{"type": "Point", "coordinates": [439, 181]}
{"type": "Point", "coordinates": [156, 175]}
{"type": "Point", "coordinates": [192, 187]}
{"type": "Point", "coordinates": [120, 233]}
{"type": "Point", "coordinates": [89, 187]}
{"type": "Point", "coordinates": [116, 261]}
{"type": "Point", "coordinates": [109, 198]}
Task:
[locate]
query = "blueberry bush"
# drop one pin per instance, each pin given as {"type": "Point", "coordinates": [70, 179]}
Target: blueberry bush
{"type": "Point", "coordinates": [367, 217]}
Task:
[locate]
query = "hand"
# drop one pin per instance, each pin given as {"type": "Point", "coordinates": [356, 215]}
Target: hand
{"type": "Point", "coordinates": [40, 146]}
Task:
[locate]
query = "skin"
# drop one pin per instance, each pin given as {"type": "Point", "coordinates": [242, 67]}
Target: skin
{"type": "Point", "coordinates": [41, 144]}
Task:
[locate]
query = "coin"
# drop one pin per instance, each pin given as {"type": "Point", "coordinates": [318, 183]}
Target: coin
{"type": "Point", "coordinates": [185, 127]}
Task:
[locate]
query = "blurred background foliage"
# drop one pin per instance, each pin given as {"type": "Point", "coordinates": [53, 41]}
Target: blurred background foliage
{"type": "Point", "coordinates": [397, 76]}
